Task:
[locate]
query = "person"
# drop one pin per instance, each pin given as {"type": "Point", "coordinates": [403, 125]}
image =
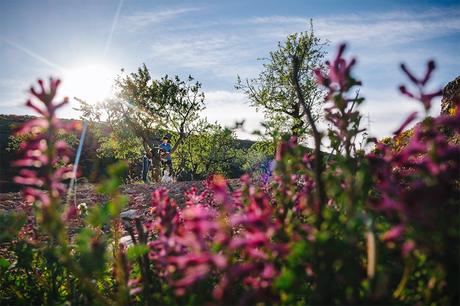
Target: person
{"type": "Point", "coordinates": [145, 167]}
{"type": "Point", "coordinates": [165, 153]}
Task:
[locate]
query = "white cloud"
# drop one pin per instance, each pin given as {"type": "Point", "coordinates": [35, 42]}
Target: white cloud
{"type": "Point", "coordinates": [13, 93]}
{"type": "Point", "coordinates": [385, 110]}
{"type": "Point", "coordinates": [218, 56]}
{"type": "Point", "coordinates": [230, 47]}
{"type": "Point", "coordinates": [227, 107]}
{"type": "Point", "coordinates": [383, 29]}
{"type": "Point", "coordinates": [143, 19]}
{"type": "Point", "coordinates": [191, 52]}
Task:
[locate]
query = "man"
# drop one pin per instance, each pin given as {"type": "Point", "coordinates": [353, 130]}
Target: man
{"type": "Point", "coordinates": [165, 153]}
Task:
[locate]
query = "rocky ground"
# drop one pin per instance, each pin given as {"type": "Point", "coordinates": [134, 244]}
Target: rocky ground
{"type": "Point", "coordinates": [139, 196]}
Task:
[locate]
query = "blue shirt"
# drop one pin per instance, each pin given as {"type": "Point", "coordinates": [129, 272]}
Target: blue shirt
{"type": "Point", "coordinates": [167, 148]}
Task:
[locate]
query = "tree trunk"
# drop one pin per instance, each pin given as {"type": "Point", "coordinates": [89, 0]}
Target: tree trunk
{"type": "Point", "coordinates": [318, 164]}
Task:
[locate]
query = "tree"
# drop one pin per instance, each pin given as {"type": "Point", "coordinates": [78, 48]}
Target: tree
{"type": "Point", "coordinates": [168, 104]}
{"type": "Point", "coordinates": [210, 151]}
{"type": "Point", "coordinates": [258, 153]}
{"type": "Point", "coordinates": [145, 109]}
{"type": "Point", "coordinates": [274, 90]}
{"type": "Point", "coordinates": [109, 122]}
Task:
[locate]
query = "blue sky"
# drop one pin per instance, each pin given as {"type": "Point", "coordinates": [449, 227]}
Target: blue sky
{"type": "Point", "coordinates": [217, 40]}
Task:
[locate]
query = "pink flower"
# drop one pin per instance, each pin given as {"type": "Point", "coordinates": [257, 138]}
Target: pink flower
{"type": "Point", "coordinates": [421, 96]}
{"type": "Point", "coordinates": [408, 247]}
{"type": "Point", "coordinates": [192, 275]}
{"type": "Point", "coordinates": [338, 76]}
{"type": "Point", "coordinates": [249, 240]}
{"type": "Point", "coordinates": [394, 233]}
{"type": "Point", "coordinates": [43, 150]}
{"type": "Point", "coordinates": [269, 271]}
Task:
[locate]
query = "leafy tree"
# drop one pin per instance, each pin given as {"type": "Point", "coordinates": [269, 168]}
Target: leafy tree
{"type": "Point", "coordinates": [14, 141]}
{"type": "Point", "coordinates": [108, 122]}
{"type": "Point", "coordinates": [274, 90]}
{"type": "Point", "coordinates": [258, 153]}
{"type": "Point", "coordinates": [168, 104]}
{"type": "Point", "coordinates": [212, 150]}
{"type": "Point", "coordinates": [143, 110]}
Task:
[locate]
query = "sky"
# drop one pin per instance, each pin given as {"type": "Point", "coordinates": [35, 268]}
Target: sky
{"type": "Point", "coordinates": [87, 43]}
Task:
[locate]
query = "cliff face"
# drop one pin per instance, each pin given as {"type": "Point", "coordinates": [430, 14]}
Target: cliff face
{"type": "Point", "coordinates": [450, 94]}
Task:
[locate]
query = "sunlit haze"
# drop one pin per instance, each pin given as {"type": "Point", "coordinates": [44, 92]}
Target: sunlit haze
{"type": "Point", "coordinates": [89, 82]}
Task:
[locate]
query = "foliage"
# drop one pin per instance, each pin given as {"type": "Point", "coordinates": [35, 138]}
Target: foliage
{"type": "Point", "coordinates": [212, 150]}
{"type": "Point", "coordinates": [143, 110]}
{"type": "Point", "coordinates": [14, 141]}
{"type": "Point", "coordinates": [274, 90]}
{"type": "Point", "coordinates": [258, 160]}
{"type": "Point", "coordinates": [358, 228]}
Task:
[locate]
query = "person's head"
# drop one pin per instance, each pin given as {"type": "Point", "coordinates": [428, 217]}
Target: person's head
{"type": "Point", "coordinates": [166, 138]}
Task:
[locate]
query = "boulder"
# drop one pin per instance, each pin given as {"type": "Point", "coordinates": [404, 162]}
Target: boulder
{"type": "Point", "coordinates": [129, 214]}
{"type": "Point", "coordinates": [450, 93]}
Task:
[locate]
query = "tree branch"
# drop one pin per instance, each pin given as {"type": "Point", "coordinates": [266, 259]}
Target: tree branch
{"type": "Point", "coordinates": [320, 190]}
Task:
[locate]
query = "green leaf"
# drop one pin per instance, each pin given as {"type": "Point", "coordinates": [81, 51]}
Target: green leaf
{"type": "Point", "coordinates": [10, 225]}
{"type": "Point", "coordinates": [285, 280]}
{"type": "Point", "coordinates": [4, 263]}
{"type": "Point", "coordinates": [117, 204]}
{"type": "Point", "coordinates": [136, 251]}
{"type": "Point", "coordinates": [98, 215]}
{"type": "Point", "coordinates": [298, 252]}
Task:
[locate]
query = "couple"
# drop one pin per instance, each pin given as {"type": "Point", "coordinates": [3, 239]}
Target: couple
{"type": "Point", "coordinates": [164, 154]}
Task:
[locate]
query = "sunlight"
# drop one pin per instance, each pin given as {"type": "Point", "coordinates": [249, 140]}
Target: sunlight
{"type": "Point", "coordinates": [91, 82]}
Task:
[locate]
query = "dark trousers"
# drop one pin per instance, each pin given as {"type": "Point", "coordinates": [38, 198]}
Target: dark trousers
{"type": "Point", "coordinates": [145, 168]}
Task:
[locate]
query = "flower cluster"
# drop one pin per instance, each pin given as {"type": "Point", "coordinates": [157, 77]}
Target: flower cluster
{"type": "Point", "coordinates": [420, 84]}
{"type": "Point", "coordinates": [342, 112]}
{"type": "Point", "coordinates": [410, 181]}
{"type": "Point", "coordinates": [276, 242]}
{"type": "Point", "coordinates": [45, 163]}
{"type": "Point", "coordinates": [338, 77]}
{"type": "Point", "coordinates": [203, 239]}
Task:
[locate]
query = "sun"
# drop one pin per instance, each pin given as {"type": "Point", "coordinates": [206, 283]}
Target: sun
{"type": "Point", "coordinates": [91, 82]}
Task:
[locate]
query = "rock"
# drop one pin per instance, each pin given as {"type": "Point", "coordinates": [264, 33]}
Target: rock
{"type": "Point", "coordinates": [450, 93]}
{"type": "Point", "coordinates": [126, 240]}
{"type": "Point", "coordinates": [129, 214]}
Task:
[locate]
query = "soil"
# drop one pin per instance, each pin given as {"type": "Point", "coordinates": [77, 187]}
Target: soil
{"type": "Point", "coordinates": [139, 196]}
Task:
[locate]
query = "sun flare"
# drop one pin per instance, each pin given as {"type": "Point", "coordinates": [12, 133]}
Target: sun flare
{"type": "Point", "coordinates": [91, 83]}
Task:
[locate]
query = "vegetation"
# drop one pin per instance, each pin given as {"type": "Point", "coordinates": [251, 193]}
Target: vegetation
{"type": "Point", "coordinates": [212, 151]}
{"type": "Point", "coordinates": [144, 110]}
{"type": "Point", "coordinates": [378, 224]}
{"type": "Point", "coordinates": [287, 71]}
{"type": "Point", "coordinates": [395, 212]}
